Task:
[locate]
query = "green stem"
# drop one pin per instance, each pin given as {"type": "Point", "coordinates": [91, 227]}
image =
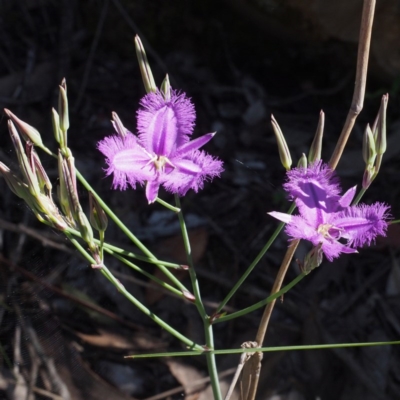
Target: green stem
{"type": "Point", "coordinates": [111, 249]}
{"type": "Point", "coordinates": [128, 233]}
{"type": "Point", "coordinates": [254, 263]}
{"type": "Point", "coordinates": [208, 330]}
{"type": "Point", "coordinates": [167, 205]}
{"type": "Point", "coordinates": [118, 285]}
{"type": "Point", "coordinates": [148, 275]}
{"type": "Point", "coordinates": [396, 221]}
{"type": "Point", "coordinates": [261, 303]}
{"type": "Point", "coordinates": [267, 349]}
{"type": "Point", "coordinates": [359, 196]}
{"type": "Point", "coordinates": [101, 245]}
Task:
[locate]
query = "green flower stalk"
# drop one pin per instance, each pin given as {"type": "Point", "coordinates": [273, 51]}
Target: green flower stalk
{"type": "Point", "coordinates": [284, 153]}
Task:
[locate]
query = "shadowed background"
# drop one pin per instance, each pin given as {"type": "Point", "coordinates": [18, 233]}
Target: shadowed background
{"type": "Point", "coordinates": [239, 61]}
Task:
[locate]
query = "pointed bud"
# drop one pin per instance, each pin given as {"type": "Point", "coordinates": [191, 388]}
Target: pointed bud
{"type": "Point", "coordinates": [374, 127]}
{"type": "Point", "coordinates": [55, 120]}
{"type": "Point", "coordinates": [23, 161]}
{"type": "Point", "coordinates": [189, 296]}
{"type": "Point", "coordinates": [29, 133]}
{"type": "Point", "coordinates": [284, 153]}
{"type": "Point", "coordinates": [15, 184]}
{"type": "Point", "coordinates": [316, 146]}
{"type": "Point", "coordinates": [381, 135]}
{"type": "Point", "coordinates": [70, 185]}
{"type": "Point", "coordinates": [118, 126]}
{"type": "Point", "coordinates": [369, 176]}
{"type": "Point", "coordinates": [166, 88]}
{"type": "Point", "coordinates": [368, 147]}
{"type": "Point", "coordinates": [62, 191]}
{"type": "Point", "coordinates": [302, 161]}
{"type": "Point", "coordinates": [43, 180]}
{"type": "Point", "coordinates": [145, 70]}
{"type": "Point", "coordinates": [63, 110]}
{"type": "Point", "coordinates": [98, 217]}
{"type": "Point", "coordinates": [84, 228]}
{"type": "Point", "coordinates": [313, 259]}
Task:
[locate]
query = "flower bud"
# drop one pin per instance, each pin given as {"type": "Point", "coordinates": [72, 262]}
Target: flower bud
{"type": "Point", "coordinates": [368, 147]}
{"type": "Point", "coordinates": [118, 126]}
{"type": "Point", "coordinates": [145, 70]}
{"type": "Point", "coordinates": [166, 88]}
{"type": "Point", "coordinates": [29, 133]}
{"type": "Point", "coordinates": [84, 228]}
{"type": "Point", "coordinates": [381, 134]}
{"type": "Point", "coordinates": [98, 217]}
{"type": "Point", "coordinates": [369, 176]}
{"type": "Point", "coordinates": [284, 153]}
{"type": "Point", "coordinates": [24, 165]}
{"type": "Point", "coordinates": [316, 146]}
{"type": "Point", "coordinates": [65, 189]}
{"type": "Point", "coordinates": [55, 119]}
{"type": "Point", "coordinates": [15, 184]}
{"type": "Point", "coordinates": [63, 110]}
{"type": "Point", "coordinates": [302, 161]}
{"type": "Point", "coordinates": [313, 259]}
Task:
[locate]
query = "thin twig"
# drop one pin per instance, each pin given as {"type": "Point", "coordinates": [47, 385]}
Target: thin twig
{"type": "Point", "coordinates": [361, 80]}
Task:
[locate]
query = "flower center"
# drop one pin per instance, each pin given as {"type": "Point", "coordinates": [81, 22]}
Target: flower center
{"type": "Point", "coordinates": [327, 230]}
{"type": "Point", "coordinates": [323, 229]}
{"type": "Point", "coordinates": [160, 162]}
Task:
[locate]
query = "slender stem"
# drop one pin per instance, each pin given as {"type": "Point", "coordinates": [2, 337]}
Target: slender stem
{"type": "Point", "coordinates": [111, 249]}
{"type": "Point", "coordinates": [101, 236]}
{"type": "Point", "coordinates": [208, 330]}
{"type": "Point", "coordinates": [359, 196]}
{"type": "Point", "coordinates": [267, 349]}
{"type": "Point", "coordinates": [261, 303]}
{"type": "Point", "coordinates": [118, 285]}
{"type": "Point", "coordinates": [396, 221]}
{"type": "Point", "coordinates": [254, 263]}
{"type": "Point", "coordinates": [167, 205]}
{"type": "Point", "coordinates": [128, 233]}
{"type": "Point", "coordinates": [148, 275]}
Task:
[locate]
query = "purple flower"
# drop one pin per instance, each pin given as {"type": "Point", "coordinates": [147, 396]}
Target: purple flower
{"type": "Point", "coordinates": [325, 216]}
{"type": "Point", "coordinates": [162, 153]}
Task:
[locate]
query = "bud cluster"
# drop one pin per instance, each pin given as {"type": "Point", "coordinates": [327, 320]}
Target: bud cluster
{"type": "Point", "coordinates": [34, 185]}
{"type": "Point", "coordinates": [374, 144]}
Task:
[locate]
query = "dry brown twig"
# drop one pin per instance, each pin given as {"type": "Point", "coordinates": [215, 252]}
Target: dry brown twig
{"type": "Point", "coordinates": [251, 371]}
